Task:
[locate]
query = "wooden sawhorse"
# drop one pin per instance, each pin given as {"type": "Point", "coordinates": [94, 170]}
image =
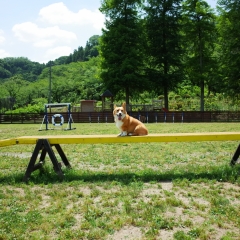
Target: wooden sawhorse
{"type": "Point", "coordinates": [45, 147]}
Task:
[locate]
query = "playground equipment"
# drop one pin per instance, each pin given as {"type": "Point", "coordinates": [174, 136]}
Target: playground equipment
{"type": "Point", "coordinates": [55, 116]}
{"type": "Point", "coordinates": [53, 120]}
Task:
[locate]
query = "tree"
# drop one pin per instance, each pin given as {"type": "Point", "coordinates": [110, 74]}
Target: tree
{"type": "Point", "coordinates": [14, 86]}
{"type": "Point", "coordinates": [164, 45]}
{"type": "Point", "coordinates": [23, 66]}
{"type": "Point", "coordinates": [228, 27]}
{"type": "Point", "coordinates": [4, 73]}
{"type": "Point", "coordinates": [71, 82]}
{"type": "Point", "coordinates": [84, 54]}
{"type": "Point", "coordinates": [200, 36]}
{"type": "Point", "coordinates": [121, 48]}
{"type": "Point", "coordinates": [91, 49]}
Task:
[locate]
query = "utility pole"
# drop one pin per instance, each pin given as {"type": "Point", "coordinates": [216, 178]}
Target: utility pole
{"type": "Point", "coordinates": [50, 83]}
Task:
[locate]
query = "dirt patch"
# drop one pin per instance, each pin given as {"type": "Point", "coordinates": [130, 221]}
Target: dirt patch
{"type": "Point", "coordinates": [151, 189]}
{"type": "Point", "coordinates": [127, 233]}
{"type": "Point", "coordinates": [20, 192]}
{"type": "Point", "coordinates": [45, 203]}
{"type": "Point", "coordinates": [19, 155]}
{"type": "Point", "coordinates": [165, 234]}
{"type": "Point", "coordinates": [79, 219]}
{"type": "Point", "coordinates": [167, 186]}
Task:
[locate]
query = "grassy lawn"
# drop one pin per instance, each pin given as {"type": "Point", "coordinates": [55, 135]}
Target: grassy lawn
{"type": "Point", "coordinates": [123, 191]}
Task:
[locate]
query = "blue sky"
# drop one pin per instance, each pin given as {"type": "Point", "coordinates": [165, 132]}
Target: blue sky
{"type": "Point", "coordinates": [43, 30]}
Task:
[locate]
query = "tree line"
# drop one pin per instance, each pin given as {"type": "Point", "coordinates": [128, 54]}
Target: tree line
{"type": "Point", "coordinates": [159, 45]}
{"type": "Point", "coordinates": [147, 48]}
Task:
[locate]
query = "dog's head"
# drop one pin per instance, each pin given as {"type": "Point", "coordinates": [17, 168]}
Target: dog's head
{"type": "Point", "coordinates": [119, 112]}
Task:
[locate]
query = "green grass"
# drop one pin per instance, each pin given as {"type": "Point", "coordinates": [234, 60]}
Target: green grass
{"type": "Point", "coordinates": [123, 191]}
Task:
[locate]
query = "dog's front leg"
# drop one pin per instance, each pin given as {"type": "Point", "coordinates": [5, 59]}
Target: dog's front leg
{"type": "Point", "coordinates": [123, 134]}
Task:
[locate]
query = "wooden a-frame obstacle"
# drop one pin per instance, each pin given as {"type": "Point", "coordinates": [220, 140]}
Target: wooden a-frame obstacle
{"type": "Point", "coordinates": [46, 115]}
{"type": "Point", "coordinates": [45, 144]}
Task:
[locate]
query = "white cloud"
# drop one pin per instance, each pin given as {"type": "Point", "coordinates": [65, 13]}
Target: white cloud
{"type": "Point", "coordinates": [42, 37]}
{"type": "Point", "coordinates": [55, 32]}
{"type": "Point", "coordinates": [4, 53]}
{"type": "Point", "coordinates": [58, 13]}
{"type": "Point", "coordinates": [2, 38]}
{"type": "Point", "coordinates": [44, 43]}
{"type": "Point", "coordinates": [57, 52]}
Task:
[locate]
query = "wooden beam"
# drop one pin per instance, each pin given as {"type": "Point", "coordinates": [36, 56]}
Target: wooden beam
{"type": "Point", "coordinates": [104, 139]}
{"type": "Point", "coordinates": [169, 137]}
{"type": "Point", "coordinates": [7, 142]}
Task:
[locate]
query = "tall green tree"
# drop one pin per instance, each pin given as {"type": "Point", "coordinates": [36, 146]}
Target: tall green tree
{"type": "Point", "coordinates": [14, 86]}
{"type": "Point", "coordinates": [228, 27]}
{"type": "Point", "coordinates": [121, 48]}
{"type": "Point", "coordinates": [91, 48]}
{"type": "Point", "coordinates": [4, 73]}
{"type": "Point", "coordinates": [200, 36]}
{"type": "Point", "coordinates": [81, 54]}
{"type": "Point", "coordinates": [164, 45]}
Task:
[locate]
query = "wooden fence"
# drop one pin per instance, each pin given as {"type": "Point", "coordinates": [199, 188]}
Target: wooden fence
{"type": "Point", "coordinates": [150, 117]}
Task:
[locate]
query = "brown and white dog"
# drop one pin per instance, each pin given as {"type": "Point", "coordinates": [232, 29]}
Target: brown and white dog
{"type": "Point", "coordinates": [128, 125]}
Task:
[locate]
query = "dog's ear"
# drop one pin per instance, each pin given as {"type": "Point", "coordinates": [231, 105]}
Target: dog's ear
{"type": "Point", "coordinates": [114, 108]}
{"type": "Point", "coordinates": [124, 106]}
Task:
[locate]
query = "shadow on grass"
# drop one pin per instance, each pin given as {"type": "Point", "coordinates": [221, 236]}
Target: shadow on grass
{"type": "Point", "coordinates": [223, 173]}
